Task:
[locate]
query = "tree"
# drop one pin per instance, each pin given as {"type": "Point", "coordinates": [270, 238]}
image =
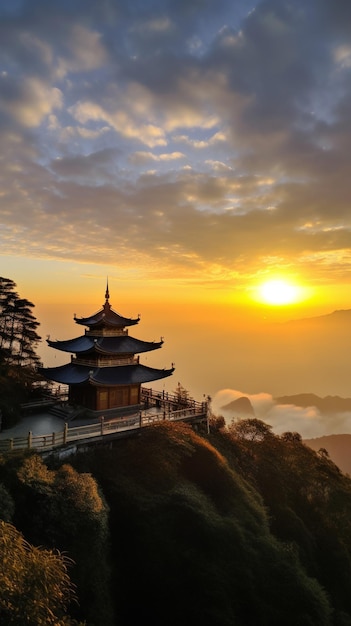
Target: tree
{"type": "Point", "coordinates": [18, 343]}
{"type": "Point", "coordinates": [35, 588]}
{"type": "Point", "coordinates": [64, 509]}
{"type": "Point", "coordinates": [18, 326]}
{"type": "Point", "coordinates": [182, 394]}
{"type": "Point", "coordinates": [308, 500]}
{"type": "Point", "coordinates": [251, 429]}
{"type": "Point", "coordinates": [7, 505]}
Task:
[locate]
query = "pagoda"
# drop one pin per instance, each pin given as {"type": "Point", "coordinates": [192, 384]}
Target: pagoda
{"type": "Point", "coordinates": [104, 373]}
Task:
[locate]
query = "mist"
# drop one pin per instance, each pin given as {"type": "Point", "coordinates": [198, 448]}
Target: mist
{"type": "Point", "coordinates": [309, 422]}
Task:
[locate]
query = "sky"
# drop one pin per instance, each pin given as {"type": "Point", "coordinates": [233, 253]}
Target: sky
{"type": "Point", "coordinates": [190, 151]}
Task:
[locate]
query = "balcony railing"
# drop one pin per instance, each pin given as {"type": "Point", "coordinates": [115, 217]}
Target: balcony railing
{"type": "Point", "coordinates": [105, 361]}
{"type": "Point", "coordinates": [41, 443]}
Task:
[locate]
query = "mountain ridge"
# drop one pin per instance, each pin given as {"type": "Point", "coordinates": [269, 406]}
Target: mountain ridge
{"type": "Point", "coordinates": [327, 404]}
{"type": "Point", "coordinates": [338, 313]}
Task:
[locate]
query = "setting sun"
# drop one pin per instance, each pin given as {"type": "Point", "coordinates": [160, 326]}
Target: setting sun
{"type": "Point", "coordinates": [279, 292]}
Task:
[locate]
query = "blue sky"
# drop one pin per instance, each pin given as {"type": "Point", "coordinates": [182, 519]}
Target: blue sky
{"type": "Point", "coordinates": [207, 140]}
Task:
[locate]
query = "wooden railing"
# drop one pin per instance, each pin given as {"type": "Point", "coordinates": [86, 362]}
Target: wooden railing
{"type": "Point", "coordinates": [42, 443]}
{"type": "Point", "coordinates": [163, 398]}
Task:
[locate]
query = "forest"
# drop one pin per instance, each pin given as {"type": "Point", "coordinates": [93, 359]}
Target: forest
{"type": "Point", "coordinates": [231, 526]}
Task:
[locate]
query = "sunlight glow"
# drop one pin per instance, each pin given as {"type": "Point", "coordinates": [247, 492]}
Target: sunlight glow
{"type": "Point", "coordinates": [279, 292]}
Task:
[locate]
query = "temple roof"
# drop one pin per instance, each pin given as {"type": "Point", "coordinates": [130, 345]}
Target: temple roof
{"type": "Point", "coordinates": [106, 317]}
{"type": "Point", "coordinates": [105, 345]}
{"type": "Point", "coordinates": [72, 374]}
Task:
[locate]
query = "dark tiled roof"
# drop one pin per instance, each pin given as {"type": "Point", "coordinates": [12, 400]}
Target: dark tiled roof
{"type": "Point", "coordinates": [105, 345]}
{"type": "Point", "coordinates": [128, 374]}
{"type": "Point", "coordinates": [71, 374]}
{"type": "Point", "coordinates": [106, 317]}
{"type": "Point", "coordinates": [68, 374]}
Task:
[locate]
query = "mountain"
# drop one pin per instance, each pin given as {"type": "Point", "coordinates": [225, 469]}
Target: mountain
{"type": "Point", "coordinates": [211, 528]}
{"type": "Point", "coordinates": [241, 407]}
{"type": "Point", "coordinates": [338, 448]}
{"type": "Point", "coordinates": [327, 405]}
{"type": "Point", "coordinates": [337, 317]}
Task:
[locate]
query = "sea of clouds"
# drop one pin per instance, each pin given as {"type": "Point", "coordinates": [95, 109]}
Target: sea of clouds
{"type": "Point", "coordinates": [309, 422]}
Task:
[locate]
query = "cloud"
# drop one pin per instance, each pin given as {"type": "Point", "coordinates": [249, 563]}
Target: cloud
{"type": "Point", "coordinates": [242, 119]}
{"type": "Point", "coordinates": [200, 143]}
{"type": "Point", "coordinates": [122, 120]}
{"type": "Point", "coordinates": [30, 102]}
{"type": "Point", "coordinates": [219, 167]}
{"type": "Point", "coordinates": [81, 167]}
{"type": "Point", "coordinates": [139, 158]}
{"type": "Point", "coordinates": [85, 52]}
{"type": "Point", "coordinates": [307, 421]}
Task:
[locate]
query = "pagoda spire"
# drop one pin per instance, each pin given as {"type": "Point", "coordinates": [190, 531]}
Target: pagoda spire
{"type": "Point", "coordinates": [107, 306]}
{"type": "Point", "coordinates": [107, 293]}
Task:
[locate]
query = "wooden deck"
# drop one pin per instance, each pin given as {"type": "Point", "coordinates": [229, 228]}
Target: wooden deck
{"type": "Point", "coordinates": [163, 408]}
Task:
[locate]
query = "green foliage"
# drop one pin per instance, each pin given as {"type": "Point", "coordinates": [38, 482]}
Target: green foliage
{"type": "Point", "coordinates": [63, 509]}
{"type": "Point", "coordinates": [33, 471]}
{"type": "Point", "coordinates": [308, 500]}
{"type": "Point", "coordinates": [35, 587]}
{"type": "Point", "coordinates": [251, 430]}
{"type": "Point", "coordinates": [196, 539]}
{"type": "Point", "coordinates": [7, 505]}
{"type": "Point", "coordinates": [237, 527]}
{"type": "Point", "coordinates": [11, 395]}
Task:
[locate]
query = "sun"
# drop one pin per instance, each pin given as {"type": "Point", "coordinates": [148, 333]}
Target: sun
{"type": "Point", "coordinates": [279, 292]}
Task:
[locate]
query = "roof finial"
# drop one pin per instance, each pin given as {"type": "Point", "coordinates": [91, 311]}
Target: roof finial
{"type": "Point", "coordinates": [107, 294]}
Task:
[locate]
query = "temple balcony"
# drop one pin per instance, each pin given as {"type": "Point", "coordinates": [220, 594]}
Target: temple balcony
{"type": "Point", "coordinates": [107, 332]}
{"type": "Point", "coordinates": [104, 361]}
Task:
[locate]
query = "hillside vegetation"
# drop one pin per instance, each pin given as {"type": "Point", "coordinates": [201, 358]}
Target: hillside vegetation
{"type": "Point", "coordinates": [338, 446]}
{"type": "Point", "coordinates": [235, 527]}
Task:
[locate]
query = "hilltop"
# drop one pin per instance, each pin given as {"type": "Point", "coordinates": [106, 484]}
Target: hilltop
{"type": "Point", "coordinates": [220, 528]}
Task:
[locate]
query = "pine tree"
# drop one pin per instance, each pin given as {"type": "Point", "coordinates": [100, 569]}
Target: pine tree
{"type": "Point", "coordinates": [7, 298]}
{"type": "Point", "coordinates": [18, 358]}
{"type": "Point", "coordinates": [182, 395]}
{"type": "Point", "coordinates": [18, 326]}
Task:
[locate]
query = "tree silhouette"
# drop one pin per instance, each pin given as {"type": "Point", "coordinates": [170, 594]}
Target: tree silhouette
{"type": "Point", "coordinates": [18, 358]}
{"type": "Point", "coordinates": [18, 327]}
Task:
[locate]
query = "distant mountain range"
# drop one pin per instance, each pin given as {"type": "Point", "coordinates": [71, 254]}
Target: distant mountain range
{"type": "Point", "coordinates": [336, 317]}
{"type": "Point", "coordinates": [327, 405]}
